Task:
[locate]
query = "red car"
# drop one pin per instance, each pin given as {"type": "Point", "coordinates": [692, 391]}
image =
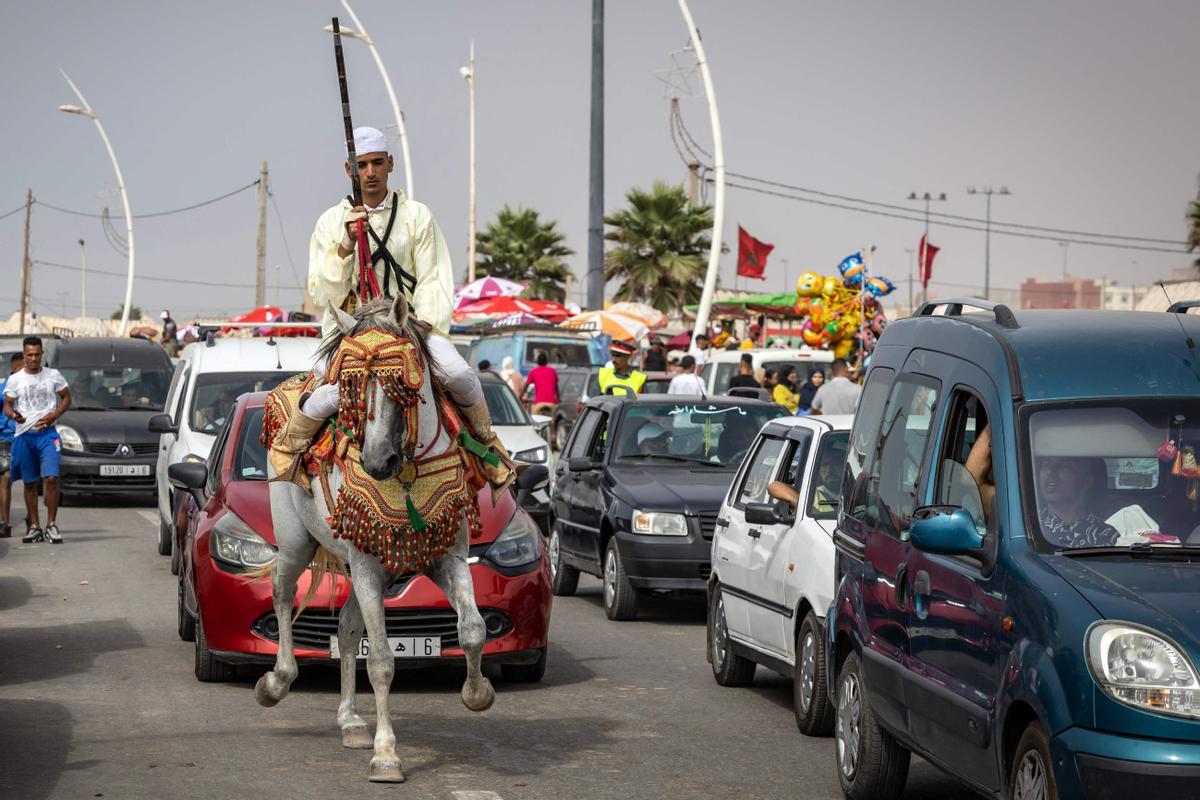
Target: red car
{"type": "Point", "coordinates": [231, 618]}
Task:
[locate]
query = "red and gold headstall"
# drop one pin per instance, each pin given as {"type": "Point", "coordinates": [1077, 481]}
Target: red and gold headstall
{"type": "Point", "coordinates": [396, 362]}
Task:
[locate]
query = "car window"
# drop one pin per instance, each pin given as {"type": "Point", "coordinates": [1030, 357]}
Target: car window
{"type": "Point", "coordinates": [503, 405]}
{"type": "Point", "coordinates": [714, 432]}
{"type": "Point", "coordinates": [217, 455]}
{"type": "Point", "coordinates": [804, 368]}
{"type": "Point", "coordinates": [826, 485]}
{"type": "Point", "coordinates": [250, 457]}
{"type": "Point", "coordinates": [725, 372]}
{"type": "Point", "coordinates": [957, 483]}
{"type": "Point", "coordinates": [581, 437]}
{"type": "Point", "coordinates": [903, 440]}
{"type": "Point", "coordinates": [217, 392]}
{"type": "Point", "coordinates": [600, 439]}
{"type": "Point", "coordinates": [181, 396]}
{"type": "Point", "coordinates": [560, 353]}
{"type": "Point", "coordinates": [862, 439]}
{"type": "Point", "coordinates": [764, 465]}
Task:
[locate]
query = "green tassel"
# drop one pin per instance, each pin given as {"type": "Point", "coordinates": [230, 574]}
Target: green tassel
{"type": "Point", "coordinates": [478, 448]}
{"type": "Point", "coordinates": [414, 516]}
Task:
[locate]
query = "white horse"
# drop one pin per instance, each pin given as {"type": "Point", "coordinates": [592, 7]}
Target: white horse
{"type": "Point", "coordinates": [300, 527]}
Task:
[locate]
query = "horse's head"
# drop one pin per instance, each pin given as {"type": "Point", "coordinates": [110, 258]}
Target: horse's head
{"type": "Point", "coordinates": [382, 368]}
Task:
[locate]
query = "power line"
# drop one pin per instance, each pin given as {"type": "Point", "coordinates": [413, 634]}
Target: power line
{"type": "Point", "coordinates": [283, 235]}
{"type": "Point", "coordinates": [152, 214]}
{"type": "Point", "coordinates": [8, 214]}
{"type": "Point", "coordinates": [223, 284]}
{"type": "Point", "coordinates": [1117, 245]}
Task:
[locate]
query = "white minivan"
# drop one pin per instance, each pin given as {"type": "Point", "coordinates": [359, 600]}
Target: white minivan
{"type": "Point", "coordinates": [721, 365]}
{"type": "Point", "coordinates": [772, 561]}
{"type": "Point", "coordinates": [207, 381]}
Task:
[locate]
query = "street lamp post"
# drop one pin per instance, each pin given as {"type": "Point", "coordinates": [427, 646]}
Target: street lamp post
{"type": "Point", "coordinates": [987, 236]}
{"type": "Point", "coordinates": [468, 73]}
{"type": "Point", "coordinates": [1064, 246]}
{"type": "Point", "coordinates": [362, 36]}
{"type": "Point", "coordinates": [928, 198]}
{"type": "Point", "coordinates": [82, 280]}
{"type": "Point", "coordinates": [86, 111]}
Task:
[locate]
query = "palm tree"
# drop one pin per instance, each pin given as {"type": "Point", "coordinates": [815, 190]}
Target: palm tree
{"type": "Point", "coordinates": [520, 247]}
{"type": "Point", "coordinates": [662, 248]}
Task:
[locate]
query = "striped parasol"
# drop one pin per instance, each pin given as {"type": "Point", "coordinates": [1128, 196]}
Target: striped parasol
{"type": "Point", "coordinates": [615, 325]}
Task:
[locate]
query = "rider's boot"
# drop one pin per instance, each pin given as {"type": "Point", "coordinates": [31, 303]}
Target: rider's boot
{"type": "Point", "coordinates": [503, 474]}
{"type": "Point", "coordinates": [290, 445]}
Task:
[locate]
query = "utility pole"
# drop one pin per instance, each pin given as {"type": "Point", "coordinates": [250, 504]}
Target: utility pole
{"type": "Point", "coordinates": [928, 198]}
{"type": "Point", "coordinates": [693, 182]}
{"type": "Point", "coordinates": [25, 263]}
{"type": "Point", "coordinates": [910, 252]}
{"type": "Point", "coordinates": [595, 258]}
{"type": "Point", "coordinates": [260, 283]}
{"type": "Point", "coordinates": [1064, 246]}
{"type": "Point", "coordinates": [987, 237]}
{"type": "Point", "coordinates": [82, 280]}
{"type": "Point", "coordinates": [468, 72]}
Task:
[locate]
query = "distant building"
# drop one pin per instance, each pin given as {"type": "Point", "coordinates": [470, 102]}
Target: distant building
{"type": "Point", "coordinates": [1160, 295]}
{"type": "Point", "coordinates": [1070, 292]}
{"type": "Point", "coordinates": [1121, 298]}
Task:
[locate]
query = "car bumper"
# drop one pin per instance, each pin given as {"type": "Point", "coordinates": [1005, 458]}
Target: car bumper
{"type": "Point", "coordinates": [240, 626]}
{"type": "Point", "coordinates": [80, 474]}
{"type": "Point", "coordinates": [1099, 766]}
{"type": "Point", "coordinates": [666, 562]}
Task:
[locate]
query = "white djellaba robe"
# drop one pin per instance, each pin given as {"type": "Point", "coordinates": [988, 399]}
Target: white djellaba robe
{"type": "Point", "coordinates": [417, 244]}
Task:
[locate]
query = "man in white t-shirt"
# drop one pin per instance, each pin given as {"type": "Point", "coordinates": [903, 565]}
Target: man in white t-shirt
{"type": "Point", "coordinates": [699, 350]}
{"type": "Point", "coordinates": [687, 382]}
{"type": "Point", "coordinates": [35, 398]}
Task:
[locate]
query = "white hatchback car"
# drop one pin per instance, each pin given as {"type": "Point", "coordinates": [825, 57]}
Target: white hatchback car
{"type": "Point", "coordinates": [207, 381]}
{"type": "Point", "coordinates": [772, 561]}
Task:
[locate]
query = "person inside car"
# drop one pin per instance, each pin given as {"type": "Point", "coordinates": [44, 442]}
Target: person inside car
{"type": "Point", "coordinates": [1064, 487]}
{"type": "Point", "coordinates": [212, 417]}
{"type": "Point", "coordinates": [979, 464]}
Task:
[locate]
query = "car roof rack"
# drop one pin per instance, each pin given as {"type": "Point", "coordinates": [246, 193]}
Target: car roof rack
{"type": "Point", "coordinates": [1182, 306]}
{"type": "Point", "coordinates": [954, 307]}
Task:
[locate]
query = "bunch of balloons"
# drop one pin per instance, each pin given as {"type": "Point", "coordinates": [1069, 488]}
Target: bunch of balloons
{"type": "Point", "coordinates": [834, 308]}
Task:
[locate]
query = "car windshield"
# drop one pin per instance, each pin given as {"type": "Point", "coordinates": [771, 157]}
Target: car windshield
{"type": "Point", "coordinates": [250, 460]}
{"type": "Point", "coordinates": [503, 406]}
{"type": "Point", "coordinates": [117, 388]}
{"type": "Point", "coordinates": [827, 476]}
{"type": "Point", "coordinates": [216, 393]}
{"type": "Point", "coordinates": [1113, 476]}
{"type": "Point", "coordinates": [560, 352]}
{"type": "Point", "coordinates": [710, 432]}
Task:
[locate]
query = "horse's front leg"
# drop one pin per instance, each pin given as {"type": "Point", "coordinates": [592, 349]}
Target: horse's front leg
{"type": "Point", "coordinates": [452, 574]}
{"type": "Point", "coordinates": [350, 631]}
{"type": "Point", "coordinates": [295, 553]}
{"type": "Point", "coordinates": [368, 582]}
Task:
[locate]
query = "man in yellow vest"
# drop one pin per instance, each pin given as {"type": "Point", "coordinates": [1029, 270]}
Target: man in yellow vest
{"type": "Point", "coordinates": [620, 374]}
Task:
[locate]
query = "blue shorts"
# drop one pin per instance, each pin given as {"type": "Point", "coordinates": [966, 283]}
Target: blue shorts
{"type": "Point", "coordinates": [35, 455]}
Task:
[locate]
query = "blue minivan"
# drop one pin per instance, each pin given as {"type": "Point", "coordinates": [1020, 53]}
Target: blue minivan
{"type": "Point", "coordinates": [1018, 556]}
{"type": "Point", "coordinates": [524, 344]}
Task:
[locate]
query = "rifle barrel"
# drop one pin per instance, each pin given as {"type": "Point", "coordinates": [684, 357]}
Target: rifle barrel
{"type": "Point", "coordinates": [351, 155]}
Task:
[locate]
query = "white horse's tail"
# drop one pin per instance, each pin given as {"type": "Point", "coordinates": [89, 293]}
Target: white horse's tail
{"type": "Point", "coordinates": [324, 565]}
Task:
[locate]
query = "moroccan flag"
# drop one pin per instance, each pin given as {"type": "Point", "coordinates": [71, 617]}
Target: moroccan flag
{"type": "Point", "coordinates": [752, 255]}
{"type": "Point", "coordinates": [925, 254]}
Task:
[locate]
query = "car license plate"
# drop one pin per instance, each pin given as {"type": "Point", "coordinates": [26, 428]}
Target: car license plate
{"type": "Point", "coordinates": [401, 647]}
{"type": "Point", "coordinates": [124, 470]}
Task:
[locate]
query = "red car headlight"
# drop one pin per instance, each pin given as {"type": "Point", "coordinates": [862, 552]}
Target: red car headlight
{"type": "Point", "coordinates": [236, 543]}
{"type": "Point", "coordinates": [519, 545]}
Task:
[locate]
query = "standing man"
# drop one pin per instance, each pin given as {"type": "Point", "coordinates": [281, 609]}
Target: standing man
{"type": "Point", "coordinates": [656, 358]}
{"type": "Point", "coordinates": [169, 332]}
{"type": "Point", "coordinates": [621, 373]}
{"type": "Point", "coordinates": [8, 428]}
{"type": "Point", "coordinates": [745, 377]}
{"type": "Point", "coordinates": [699, 350]}
{"type": "Point", "coordinates": [840, 395]}
{"type": "Point", "coordinates": [687, 381]}
{"type": "Point", "coordinates": [542, 381]}
{"type": "Point", "coordinates": [407, 252]}
{"type": "Point", "coordinates": [35, 398]}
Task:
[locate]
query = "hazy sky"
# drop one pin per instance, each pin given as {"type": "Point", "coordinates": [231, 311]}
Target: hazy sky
{"type": "Point", "coordinates": [1084, 109]}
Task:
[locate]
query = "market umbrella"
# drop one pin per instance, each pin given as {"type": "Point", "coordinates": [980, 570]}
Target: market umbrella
{"type": "Point", "coordinates": [648, 314]}
{"type": "Point", "coordinates": [260, 314]}
{"type": "Point", "coordinates": [495, 307]}
{"type": "Point", "coordinates": [680, 340]}
{"type": "Point", "coordinates": [486, 287]}
{"type": "Point", "coordinates": [618, 326]}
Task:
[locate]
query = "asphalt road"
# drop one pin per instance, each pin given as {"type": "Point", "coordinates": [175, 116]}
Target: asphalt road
{"type": "Point", "coordinates": [98, 699]}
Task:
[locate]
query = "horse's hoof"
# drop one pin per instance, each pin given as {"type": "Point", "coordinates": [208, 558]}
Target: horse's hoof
{"type": "Point", "coordinates": [263, 695]}
{"type": "Point", "coordinates": [356, 737]}
{"type": "Point", "coordinates": [479, 698]}
{"type": "Point", "coordinates": [385, 770]}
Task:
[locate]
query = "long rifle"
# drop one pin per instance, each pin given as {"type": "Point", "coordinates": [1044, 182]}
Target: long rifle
{"type": "Point", "coordinates": [355, 187]}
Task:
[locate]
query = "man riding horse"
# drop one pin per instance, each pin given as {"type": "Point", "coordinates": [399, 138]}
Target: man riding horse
{"type": "Point", "coordinates": [406, 253]}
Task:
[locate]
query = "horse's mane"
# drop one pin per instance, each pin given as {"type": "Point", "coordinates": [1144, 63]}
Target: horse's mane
{"type": "Point", "coordinates": [376, 315]}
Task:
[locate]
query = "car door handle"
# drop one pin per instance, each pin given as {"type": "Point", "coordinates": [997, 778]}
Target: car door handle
{"type": "Point", "coordinates": [901, 577]}
{"type": "Point", "coordinates": [722, 522]}
{"type": "Point", "coordinates": [754, 533]}
{"type": "Point", "coordinates": [921, 585]}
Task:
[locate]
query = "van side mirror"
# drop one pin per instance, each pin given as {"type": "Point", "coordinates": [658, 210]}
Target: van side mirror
{"type": "Point", "coordinates": [776, 513]}
{"type": "Point", "coordinates": [948, 530]}
{"type": "Point", "coordinates": [161, 423]}
{"type": "Point", "coordinates": [190, 477]}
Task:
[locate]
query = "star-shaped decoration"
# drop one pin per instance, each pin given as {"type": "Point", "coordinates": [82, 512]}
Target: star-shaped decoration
{"type": "Point", "coordinates": [678, 79]}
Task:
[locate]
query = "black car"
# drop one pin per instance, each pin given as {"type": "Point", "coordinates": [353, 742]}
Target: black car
{"type": "Point", "coordinates": [638, 487]}
{"type": "Point", "coordinates": [116, 386]}
{"type": "Point", "coordinates": [575, 385]}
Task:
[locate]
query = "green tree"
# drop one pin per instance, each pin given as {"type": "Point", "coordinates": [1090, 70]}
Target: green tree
{"type": "Point", "coordinates": [135, 313]}
{"type": "Point", "coordinates": [520, 247]}
{"type": "Point", "coordinates": [662, 246]}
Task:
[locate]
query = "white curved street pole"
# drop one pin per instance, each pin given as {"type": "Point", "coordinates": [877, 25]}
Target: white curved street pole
{"type": "Point", "coordinates": [361, 34]}
{"type": "Point", "coordinates": [714, 256]}
{"type": "Point", "coordinates": [87, 111]}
